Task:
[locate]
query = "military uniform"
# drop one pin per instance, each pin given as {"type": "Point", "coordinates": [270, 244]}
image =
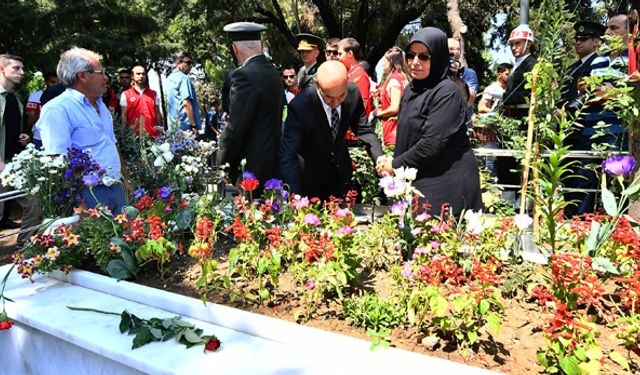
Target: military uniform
{"type": "Point", "coordinates": [255, 104]}
{"type": "Point", "coordinates": [307, 42]}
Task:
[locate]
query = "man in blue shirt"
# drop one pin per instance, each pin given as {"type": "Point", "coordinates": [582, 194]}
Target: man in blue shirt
{"type": "Point", "coordinates": [78, 118]}
{"type": "Point", "coordinates": [183, 104]}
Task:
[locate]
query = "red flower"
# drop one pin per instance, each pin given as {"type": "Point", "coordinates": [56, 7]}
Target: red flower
{"type": "Point", "coordinates": [249, 184]}
{"type": "Point", "coordinates": [212, 345]}
{"type": "Point", "coordinates": [5, 325]}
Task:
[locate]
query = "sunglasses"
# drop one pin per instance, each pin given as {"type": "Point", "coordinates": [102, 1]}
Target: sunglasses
{"type": "Point", "coordinates": [331, 52]}
{"type": "Point", "coordinates": [289, 77]}
{"type": "Point", "coordinates": [582, 38]}
{"type": "Point", "coordinates": [421, 56]}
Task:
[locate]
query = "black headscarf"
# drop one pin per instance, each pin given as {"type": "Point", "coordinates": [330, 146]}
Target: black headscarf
{"type": "Point", "coordinates": [436, 41]}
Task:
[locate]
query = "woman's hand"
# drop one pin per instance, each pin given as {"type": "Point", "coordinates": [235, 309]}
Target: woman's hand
{"type": "Point", "coordinates": [383, 165]}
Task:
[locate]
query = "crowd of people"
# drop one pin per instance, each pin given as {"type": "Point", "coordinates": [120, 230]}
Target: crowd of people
{"type": "Point", "coordinates": [298, 125]}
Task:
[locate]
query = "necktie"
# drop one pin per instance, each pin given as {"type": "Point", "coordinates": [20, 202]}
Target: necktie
{"type": "Point", "coordinates": [335, 123]}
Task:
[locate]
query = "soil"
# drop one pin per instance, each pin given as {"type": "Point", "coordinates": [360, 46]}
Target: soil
{"type": "Point", "coordinates": [512, 351]}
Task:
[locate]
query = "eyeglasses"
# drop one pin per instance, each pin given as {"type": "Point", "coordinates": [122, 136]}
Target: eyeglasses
{"type": "Point", "coordinates": [421, 56]}
{"type": "Point", "coordinates": [331, 52]}
{"type": "Point", "coordinates": [190, 62]}
{"type": "Point", "coordinates": [289, 77]}
{"type": "Point", "coordinates": [97, 72]}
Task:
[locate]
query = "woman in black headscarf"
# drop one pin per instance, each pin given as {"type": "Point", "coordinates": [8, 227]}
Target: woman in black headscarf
{"type": "Point", "coordinates": [432, 133]}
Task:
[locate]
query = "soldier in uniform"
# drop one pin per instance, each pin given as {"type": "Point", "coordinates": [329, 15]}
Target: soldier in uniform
{"type": "Point", "coordinates": [309, 47]}
{"type": "Point", "coordinates": [256, 99]}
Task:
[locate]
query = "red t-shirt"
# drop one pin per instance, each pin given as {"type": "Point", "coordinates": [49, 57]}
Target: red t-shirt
{"type": "Point", "coordinates": [360, 77]}
{"type": "Point", "coordinates": [141, 105]}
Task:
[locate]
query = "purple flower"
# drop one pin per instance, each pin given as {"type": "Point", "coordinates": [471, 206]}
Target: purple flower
{"type": "Point", "coordinates": [247, 175]}
{"type": "Point", "coordinates": [275, 206]}
{"type": "Point", "coordinates": [406, 270]}
{"type": "Point", "coordinates": [619, 165]}
{"type": "Point", "coordinates": [285, 195]}
{"type": "Point", "coordinates": [164, 193]}
{"type": "Point", "coordinates": [423, 217]}
{"type": "Point", "coordinates": [138, 193]}
{"type": "Point", "coordinates": [399, 208]}
{"type": "Point", "coordinates": [273, 184]}
{"type": "Point", "coordinates": [312, 219]}
{"type": "Point", "coordinates": [91, 180]}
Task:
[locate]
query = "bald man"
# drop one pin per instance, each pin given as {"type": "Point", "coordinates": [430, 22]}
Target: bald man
{"type": "Point", "coordinates": [317, 121]}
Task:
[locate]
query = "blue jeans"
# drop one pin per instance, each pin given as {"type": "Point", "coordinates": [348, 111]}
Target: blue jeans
{"type": "Point", "coordinates": [112, 196]}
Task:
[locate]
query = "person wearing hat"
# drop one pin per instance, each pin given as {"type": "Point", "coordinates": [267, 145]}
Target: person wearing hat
{"type": "Point", "coordinates": [587, 41]}
{"type": "Point", "coordinates": [255, 102]}
{"type": "Point", "coordinates": [515, 100]}
{"type": "Point", "coordinates": [309, 47]}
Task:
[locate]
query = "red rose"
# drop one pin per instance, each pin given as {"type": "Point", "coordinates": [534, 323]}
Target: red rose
{"type": "Point", "coordinates": [249, 184]}
{"type": "Point", "coordinates": [5, 325]}
{"type": "Point", "coordinates": [212, 345]}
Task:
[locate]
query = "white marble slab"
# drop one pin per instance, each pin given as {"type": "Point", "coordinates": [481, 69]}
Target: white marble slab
{"type": "Point", "coordinates": [252, 343]}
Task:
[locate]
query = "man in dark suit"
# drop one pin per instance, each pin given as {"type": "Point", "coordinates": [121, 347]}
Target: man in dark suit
{"type": "Point", "coordinates": [317, 121]}
{"type": "Point", "coordinates": [256, 100]}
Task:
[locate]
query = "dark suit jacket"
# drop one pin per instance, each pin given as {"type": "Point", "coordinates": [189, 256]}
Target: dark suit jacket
{"type": "Point", "coordinates": [327, 164]}
{"type": "Point", "coordinates": [253, 131]}
{"type": "Point", "coordinates": [516, 92]}
{"type": "Point", "coordinates": [575, 72]}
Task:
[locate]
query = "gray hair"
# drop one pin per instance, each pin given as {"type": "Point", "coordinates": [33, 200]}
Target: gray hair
{"type": "Point", "coordinates": [251, 45]}
{"type": "Point", "coordinates": [74, 61]}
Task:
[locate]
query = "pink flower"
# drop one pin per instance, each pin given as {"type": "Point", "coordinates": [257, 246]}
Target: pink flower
{"type": "Point", "coordinates": [299, 203]}
{"type": "Point", "coordinates": [406, 270]}
{"type": "Point", "coordinates": [311, 285]}
{"type": "Point", "coordinates": [423, 217]}
{"type": "Point", "coordinates": [343, 212]}
{"type": "Point", "coordinates": [436, 229]}
{"type": "Point", "coordinates": [434, 244]}
{"type": "Point", "coordinates": [346, 230]}
{"type": "Point", "coordinates": [311, 219]}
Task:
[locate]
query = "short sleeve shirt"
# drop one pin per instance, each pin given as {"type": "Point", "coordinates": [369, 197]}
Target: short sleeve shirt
{"type": "Point", "coordinates": [181, 88]}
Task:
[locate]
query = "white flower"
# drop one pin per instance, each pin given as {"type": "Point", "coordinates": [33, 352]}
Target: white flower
{"type": "Point", "coordinates": [474, 221]}
{"type": "Point", "coordinates": [108, 180]}
{"type": "Point", "coordinates": [522, 221]}
{"type": "Point", "coordinates": [406, 173]}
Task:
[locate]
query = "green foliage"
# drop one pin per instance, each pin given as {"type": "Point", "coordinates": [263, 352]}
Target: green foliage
{"type": "Point", "coordinates": [365, 176]}
{"type": "Point", "coordinates": [378, 243]}
{"type": "Point", "coordinates": [371, 311]}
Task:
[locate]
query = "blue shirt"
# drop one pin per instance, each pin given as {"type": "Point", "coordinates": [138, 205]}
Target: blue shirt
{"type": "Point", "coordinates": [71, 121]}
{"type": "Point", "coordinates": [181, 88]}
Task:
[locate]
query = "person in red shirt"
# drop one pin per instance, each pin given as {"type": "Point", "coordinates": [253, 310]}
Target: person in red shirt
{"type": "Point", "coordinates": [141, 104]}
{"type": "Point", "coordinates": [349, 55]}
{"type": "Point", "coordinates": [397, 77]}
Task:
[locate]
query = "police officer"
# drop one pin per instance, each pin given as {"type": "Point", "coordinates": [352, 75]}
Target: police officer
{"type": "Point", "coordinates": [587, 41]}
{"type": "Point", "coordinates": [255, 102]}
{"type": "Point", "coordinates": [309, 47]}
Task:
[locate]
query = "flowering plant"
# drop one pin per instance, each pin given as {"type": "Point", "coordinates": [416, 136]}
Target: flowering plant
{"type": "Point", "coordinates": [55, 181]}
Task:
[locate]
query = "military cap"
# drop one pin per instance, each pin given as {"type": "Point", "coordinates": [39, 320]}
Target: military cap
{"type": "Point", "coordinates": [306, 42]}
{"type": "Point", "coordinates": [244, 31]}
{"type": "Point", "coordinates": [588, 28]}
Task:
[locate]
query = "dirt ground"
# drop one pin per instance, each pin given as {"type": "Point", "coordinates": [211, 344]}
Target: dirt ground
{"type": "Point", "coordinates": [513, 351]}
{"type": "Point", "coordinates": [7, 245]}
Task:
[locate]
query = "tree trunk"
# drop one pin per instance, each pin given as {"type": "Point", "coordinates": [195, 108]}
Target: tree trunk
{"type": "Point", "coordinates": [458, 28]}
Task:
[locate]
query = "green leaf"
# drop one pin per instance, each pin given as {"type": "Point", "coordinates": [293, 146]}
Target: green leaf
{"type": "Point", "coordinates": [129, 261]}
{"type": "Point", "coordinates": [570, 366]}
{"type": "Point", "coordinates": [125, 321]}
{"type": "Point", "coordinates": [142, 338]}
{"type": "Point", "coordinates": [493, 321]}
{"type": "Point", "coordinates": [131, 212]}
{"type": "Point", "coordinates": [264, 293]}
{"type": "Point", "coordinates": [619, 359]}
{"type": "Point", "coordinates": [183, 219]}
{"type": "Point", "coordinates": [591, 242]}
{"type": "Point", "coordinates": [609, 202]}
{"type": "Point", "coordinates": [191, 336]}
{"type": "Point", "coordinates": [119, 270]}
{"type": "Point", "coordinates": [606, 264]}
{"type": "Point", "coordinates": [473, 336]}
{"type": "Point", "coordinates": [183, 323]}
{"type": "Point", "coordinates": [592, 367]}
{"type": "Point", "coordinates": [156, 333]}
{"type": "Point", "coordinates": [439, 305]}
{"type": "Point", "coordinates": [580, 354]}
{"type": "Point", "coordinates": [632, 189]}
{"type": "Point", "coordinates": [484, 306]}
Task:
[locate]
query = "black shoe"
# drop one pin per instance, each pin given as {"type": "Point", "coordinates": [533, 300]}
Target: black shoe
{"type": "Point", "coordinates": [9, 224]}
